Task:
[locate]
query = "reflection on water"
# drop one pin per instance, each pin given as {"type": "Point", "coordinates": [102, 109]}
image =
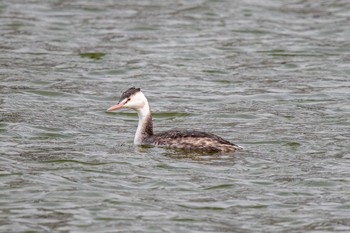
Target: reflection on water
{"type": "Point", "coordinates": [272, 76]}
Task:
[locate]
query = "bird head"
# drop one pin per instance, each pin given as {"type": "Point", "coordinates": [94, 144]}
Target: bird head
{"type": "Point", "coordinates": [132, 98]}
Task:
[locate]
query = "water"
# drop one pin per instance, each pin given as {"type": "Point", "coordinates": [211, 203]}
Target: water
{"type": "Point", "coordinates": [271, 76]}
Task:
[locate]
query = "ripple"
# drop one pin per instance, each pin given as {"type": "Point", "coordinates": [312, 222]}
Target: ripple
{"type": "Point", "coordinates": [93, 55]}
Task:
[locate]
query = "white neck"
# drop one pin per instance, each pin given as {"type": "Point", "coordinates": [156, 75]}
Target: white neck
{"type": "Point", "coordinates": [144, 128]}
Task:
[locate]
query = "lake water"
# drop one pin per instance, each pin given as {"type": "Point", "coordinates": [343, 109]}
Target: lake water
{"type": "Point", "coordinates": [272, 76]}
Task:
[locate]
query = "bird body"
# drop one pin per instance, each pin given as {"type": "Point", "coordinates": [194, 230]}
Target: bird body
{"type": "Point", "coordinates": [133, 98]}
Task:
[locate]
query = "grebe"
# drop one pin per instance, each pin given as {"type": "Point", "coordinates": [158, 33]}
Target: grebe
{"type": "Point", "coordinates": [133, 98]}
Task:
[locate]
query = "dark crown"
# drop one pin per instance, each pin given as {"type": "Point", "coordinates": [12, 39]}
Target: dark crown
{"type": "Point", "coordinates": [131, 91]}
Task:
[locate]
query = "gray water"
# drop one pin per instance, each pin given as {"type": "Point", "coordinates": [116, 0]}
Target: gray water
{"type": "Point", "coordinates": [271, 76]}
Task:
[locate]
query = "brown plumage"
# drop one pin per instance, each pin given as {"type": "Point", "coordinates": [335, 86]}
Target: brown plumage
{"type": "Point", "coordinates": [192, 140]}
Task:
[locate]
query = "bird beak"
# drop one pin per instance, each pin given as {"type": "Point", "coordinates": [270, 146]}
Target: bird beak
{"type": "Point", "coordinates": [114, 107]}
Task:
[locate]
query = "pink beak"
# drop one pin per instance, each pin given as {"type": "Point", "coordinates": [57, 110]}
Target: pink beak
{"type": "Point", "coordinates": [114, 107]}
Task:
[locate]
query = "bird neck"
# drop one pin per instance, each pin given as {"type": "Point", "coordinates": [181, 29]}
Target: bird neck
{"type": "Point", "coordinates": [145, 126]}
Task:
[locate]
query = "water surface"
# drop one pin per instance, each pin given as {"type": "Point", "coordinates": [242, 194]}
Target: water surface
{"type": "Point", "coordinates": [271, 76]}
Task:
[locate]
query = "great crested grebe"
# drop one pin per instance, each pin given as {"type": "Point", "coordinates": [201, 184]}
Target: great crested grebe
{"type": "Point", "coordinates": [133, 98]}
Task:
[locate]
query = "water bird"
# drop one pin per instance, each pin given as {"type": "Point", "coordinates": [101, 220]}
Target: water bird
{"type": "Point", "coordinates": [134, 99]}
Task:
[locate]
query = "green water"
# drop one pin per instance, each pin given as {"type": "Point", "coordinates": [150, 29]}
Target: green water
{"type": "Point", "coordinates": [271, 76]}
